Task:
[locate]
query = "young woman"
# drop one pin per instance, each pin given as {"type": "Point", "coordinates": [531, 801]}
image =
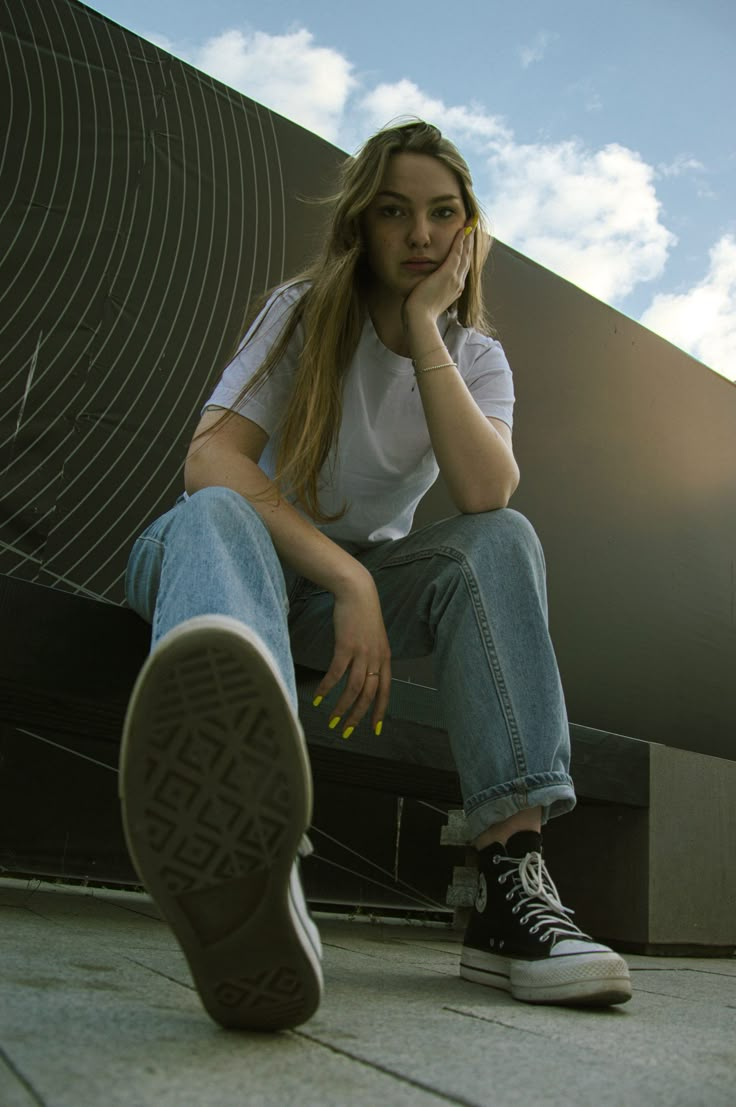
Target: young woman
{"type": "Point", "coordinates": [357, 383]}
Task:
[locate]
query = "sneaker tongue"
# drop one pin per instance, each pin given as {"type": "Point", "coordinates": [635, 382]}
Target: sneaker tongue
{"type": "Point", "coordinates": [523, 842]}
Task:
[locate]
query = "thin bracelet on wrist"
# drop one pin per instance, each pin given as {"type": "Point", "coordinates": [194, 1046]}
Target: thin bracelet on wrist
{"type": "Point", "coordinates": [429, 368]}
{"type": "Point", "coordinates": [428, 352]}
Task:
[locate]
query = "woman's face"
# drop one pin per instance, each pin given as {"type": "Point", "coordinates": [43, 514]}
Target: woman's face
{"type": "Point", "coordinates": [410, 224]}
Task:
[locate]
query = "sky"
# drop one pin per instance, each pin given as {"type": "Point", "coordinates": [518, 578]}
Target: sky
{"type": "Point", "coordinates": [601, 135]}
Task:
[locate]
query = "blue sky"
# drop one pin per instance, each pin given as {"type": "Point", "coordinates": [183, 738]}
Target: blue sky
{"type": "Point", "coordinates": [601, 136]}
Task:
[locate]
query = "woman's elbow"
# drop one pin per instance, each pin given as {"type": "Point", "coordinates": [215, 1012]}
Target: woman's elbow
{"type": "Point", "coordinates": [477, 507]}
{"type": "Point", "coordinates": [490, 497]}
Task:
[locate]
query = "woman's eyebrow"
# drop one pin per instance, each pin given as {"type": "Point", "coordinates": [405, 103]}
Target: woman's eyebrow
{"type": "Point", "coordinates": [407, 200]}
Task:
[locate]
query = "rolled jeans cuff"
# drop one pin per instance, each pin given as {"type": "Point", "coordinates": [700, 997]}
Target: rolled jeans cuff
{"type": "Point", "coordinates": [553, 792]}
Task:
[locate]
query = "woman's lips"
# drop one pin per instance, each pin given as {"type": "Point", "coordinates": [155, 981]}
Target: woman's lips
{"type": "Point", "coordinates": [416, 265]}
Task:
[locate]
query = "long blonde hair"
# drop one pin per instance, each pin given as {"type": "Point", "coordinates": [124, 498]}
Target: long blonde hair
{"type": "Point", "coordinates": [332, 307]}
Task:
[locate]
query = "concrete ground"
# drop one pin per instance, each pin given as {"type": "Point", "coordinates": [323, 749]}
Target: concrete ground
{"type": "Point", "coordinates": [96, 1008]}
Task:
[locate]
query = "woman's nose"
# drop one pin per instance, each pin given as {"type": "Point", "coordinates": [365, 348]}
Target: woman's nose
{"type": "Point", "coordinates": [419, 231]}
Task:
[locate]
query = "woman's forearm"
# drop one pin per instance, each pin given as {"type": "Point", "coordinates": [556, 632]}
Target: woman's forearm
{"type": "Point", "coordinates": [475, 460]}
{"type": "Point", "coordinates": [297, 541]}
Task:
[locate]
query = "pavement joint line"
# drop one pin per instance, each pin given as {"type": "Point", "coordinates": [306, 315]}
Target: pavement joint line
{"type": "Point", "coordinates": [497, 1022]}
{"type": "Point", "coordinates": [680, 968]}
{"type": "Point", "coordinates": [551, 1033]}
{"type": "Point", "coordinates": [378, 954]}
{"type": "Point", "coordinates": [461, 1101]}
{"type": "Point", "coordinates": [21, 1078]}
{"type": "Point", "coordinates": [375, 955]}
{"type": "Point", "coordinates": [690, 1000]}
{"type": "Point", "coordinates": [154, 917]}
{"type": "Point", "coordinates": [158, 972]}
{"type": "Point", "coordinates": [336, 945]}
{"type": "Point", "coordinates": [402, 943]}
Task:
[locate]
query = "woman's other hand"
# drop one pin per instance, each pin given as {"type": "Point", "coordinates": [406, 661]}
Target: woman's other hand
{"type": "Point", "coordinates": [362, 651]}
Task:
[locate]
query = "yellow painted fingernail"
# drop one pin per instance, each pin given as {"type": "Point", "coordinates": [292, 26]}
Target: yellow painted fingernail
{"type": "Point", "coordinates": [348, 731]}
{"type": "Point", "coordinates": [334, 722]}
{"type": "Point", "coordinates": [379, 727]}
{"type": "Point", "coordinates": [473, 225]}
{"type": "Point", "coordinates": [317, 701]}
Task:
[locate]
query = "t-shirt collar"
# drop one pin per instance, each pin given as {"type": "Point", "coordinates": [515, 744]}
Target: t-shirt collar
{"type": "Point", "coordinates": [370, 344]}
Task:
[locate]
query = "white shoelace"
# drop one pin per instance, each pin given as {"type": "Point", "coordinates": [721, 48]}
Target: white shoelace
{"type": "Point", "coordinates": [537, 893]}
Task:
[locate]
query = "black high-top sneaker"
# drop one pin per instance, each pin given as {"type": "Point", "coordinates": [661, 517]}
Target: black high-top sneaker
{"type": "Point", "coordinates": [521, 939]}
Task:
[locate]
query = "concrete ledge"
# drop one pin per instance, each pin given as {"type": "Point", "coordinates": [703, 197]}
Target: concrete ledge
{"type": "Point", "coordinates": [662, 879]}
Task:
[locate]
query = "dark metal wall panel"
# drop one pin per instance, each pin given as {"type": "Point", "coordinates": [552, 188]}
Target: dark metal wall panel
{"type": "Point", "coordinates": [144, 206]}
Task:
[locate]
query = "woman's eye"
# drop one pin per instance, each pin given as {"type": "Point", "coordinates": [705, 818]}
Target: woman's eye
{"type": "Point", "coordinates": [445, 213]}
{"type": "Point", "coordinates": [391, 211]}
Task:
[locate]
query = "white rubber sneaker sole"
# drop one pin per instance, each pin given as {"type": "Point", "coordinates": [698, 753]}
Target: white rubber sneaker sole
{"type": "Point", "coordinates": [597, 979]}
{"type": "Point", "coordinates": [216, 794]}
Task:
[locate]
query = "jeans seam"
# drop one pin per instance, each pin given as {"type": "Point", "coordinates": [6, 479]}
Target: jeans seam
{"type": "Point", "coordinates": [134, 558]}
{"type": "Point", "coordinates": [484, 629]}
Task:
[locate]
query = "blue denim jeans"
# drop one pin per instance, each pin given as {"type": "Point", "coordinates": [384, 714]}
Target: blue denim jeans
{"type": "Point", "coordinates": [469, 590]}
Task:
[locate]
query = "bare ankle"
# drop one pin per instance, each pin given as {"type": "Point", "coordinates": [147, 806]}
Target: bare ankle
{"type": "Point", "coordinates": [528, 819]}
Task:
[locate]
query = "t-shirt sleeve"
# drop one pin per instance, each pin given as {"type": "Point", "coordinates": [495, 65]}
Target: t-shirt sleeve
{"type": "Point", "coordinates": [487, 373]}
{"type": "Point", "coordinates": [266, 404]}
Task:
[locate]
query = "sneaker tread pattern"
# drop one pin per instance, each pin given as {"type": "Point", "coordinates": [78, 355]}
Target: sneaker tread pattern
{"type": "Point", "coordinates": [215, 802]}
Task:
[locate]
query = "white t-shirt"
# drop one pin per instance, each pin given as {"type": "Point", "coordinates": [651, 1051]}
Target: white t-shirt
{"type": "Point", "coordinates": [383, 462]}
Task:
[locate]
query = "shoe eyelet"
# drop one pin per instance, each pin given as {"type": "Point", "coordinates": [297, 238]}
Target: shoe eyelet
{"type": "Point", "coordinates": [497, 859]}
{"type": "Point", "coordinates": [514, 910]}
{"type": "Point", "coordinates": [509, 896]}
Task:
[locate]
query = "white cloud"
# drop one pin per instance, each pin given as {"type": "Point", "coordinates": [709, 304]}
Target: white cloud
{"type": "Point", "coordinates": [703, 319]}
{"type": "Point", "coordinates": [307, 83]}
{"type": "Point", "coordinates": [537, 48]}
{"type": "Point", "coordinates": [680, 165]}
{"type": "Point", "coordinates": [388, 101]}
{"type": "Point", "coordinates": [591, 216]}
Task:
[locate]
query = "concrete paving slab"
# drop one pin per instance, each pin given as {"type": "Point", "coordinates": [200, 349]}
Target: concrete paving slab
{"type": "Point", "coordinates": [79, 1038]}
{"type": "Point", "coordinates": [13, 1091]}
{"type": "Point", "coordinates": [97, 1007]}
{"type": "Point", "coordinates": [76, 902]}
{"type": "Point", "coordinates": [692, 985]}
{"type": "Point", "coordinates": [378, 945]}
{"type": "Point", "coordinates": [482, 1041]}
